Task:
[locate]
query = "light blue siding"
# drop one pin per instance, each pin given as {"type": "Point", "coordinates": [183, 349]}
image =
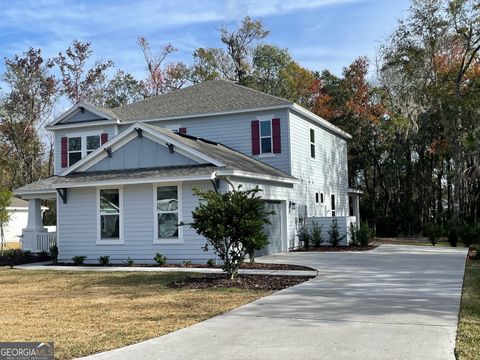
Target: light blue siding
{"type": "Point", "coordinates": [79, 117]}
{"type": "Point", "coordinates": [78, 221]}
{"type": "Point", "coordinates": [235, 131]}
{"type": "Point", "coordinates": [83, 131]}
{"type": "Point", "coordinates": [327, 173]}
{"type": "Point", "coordinates": [141, 153]}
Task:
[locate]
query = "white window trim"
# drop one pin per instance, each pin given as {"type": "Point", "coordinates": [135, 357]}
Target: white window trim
{"type": "Point", "coordinates": [120, 240]}
{"type": "Point", "coordinates": [156, 239]}
{"type": "Point", "coordinates": [83, 142]}
{"type": "Point", "coordinates": [314, 143]}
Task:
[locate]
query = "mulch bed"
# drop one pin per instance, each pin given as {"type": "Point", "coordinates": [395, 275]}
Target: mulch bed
{"type": "Point", "coordinates": [255, 266]}
{"type": "Point", "coordinates": [336, 248]}
{"type": "Point", "coordinates": [18, 257]}
{"type": "Point", "coordinates": [249, 282]}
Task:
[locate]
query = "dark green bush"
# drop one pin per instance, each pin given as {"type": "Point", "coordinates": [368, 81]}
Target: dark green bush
{"type": "Point", "coordinates": [433, 232]}
{"type": "Point", "coordinates": [353, 232]}
{"type": "Point", "coordinates": [469, 234]}
{"type": "Point", "coordinates": [304, 236]}
{"type": "Point", "coordinates": [79, 259]}
{"type": "Point", "coordinates": [364, 235]}
{"type": "Point", "coordinates": [129, 261]}
{"type": "Point", "coordinates": [160, 259]}
{"type": "Point", "coordinates": [187, 263]}
{"type": "Point", "coordinates": [334, 233]}
{"type": "Point", "coordinates": [211, 262]}
{"type": "Point", "coordinates": [104, 260]}
{"type": "Point", "coordinates": [453, 235]}
{"type": "Point", "coordinates": [316, 235]}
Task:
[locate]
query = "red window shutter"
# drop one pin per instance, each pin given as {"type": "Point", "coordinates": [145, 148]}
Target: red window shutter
{"type": "Point", "coordinates": [255, 137]}
{"type": "Point", "coordinates": [64, 150]}
{"type": "Point", "coordinates": [276, 138]}
{"type": "Point", "coordinates": [182, 130]}
{"type": "Point", "coordinates": [103, 138]}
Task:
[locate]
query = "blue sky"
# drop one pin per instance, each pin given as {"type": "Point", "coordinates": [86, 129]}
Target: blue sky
{"type": "Point", "coordinates": [320, 34]}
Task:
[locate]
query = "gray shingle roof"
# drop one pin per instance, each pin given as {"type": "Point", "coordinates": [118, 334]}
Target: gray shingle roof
{"type": "Point", "coordinates": [207, 97]}
{"type": "Point", "coordinates": [18, 203]}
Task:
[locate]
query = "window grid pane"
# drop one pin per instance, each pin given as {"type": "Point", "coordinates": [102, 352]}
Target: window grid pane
{"type": "Point", "coordinates": [167, 212]}
{"type": "Point", "coordinates": [93, 142]}
{"type": "Point", "coordinates": [75, 144]}
{"type": "Point", "coordinates": [266, 129]}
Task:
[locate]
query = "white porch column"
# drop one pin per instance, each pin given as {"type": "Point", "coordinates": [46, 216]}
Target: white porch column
{"type": "Point", "coordinates": [34, 225]}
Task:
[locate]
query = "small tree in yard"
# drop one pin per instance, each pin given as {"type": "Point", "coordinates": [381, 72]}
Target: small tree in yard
{"type": "Point", "coordinates": [232, 223]}
{"type": "Point", "coordinates": [334, 233]}
{"type": "Point", "coordinates": [5, 200]}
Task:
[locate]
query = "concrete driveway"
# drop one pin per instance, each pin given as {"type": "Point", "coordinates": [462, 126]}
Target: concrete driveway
{"type": "Point", "coordinates": [394, 302]}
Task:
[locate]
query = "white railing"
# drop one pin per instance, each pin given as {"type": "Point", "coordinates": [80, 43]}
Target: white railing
{"type": "Point", "coordinates": [45, 240]}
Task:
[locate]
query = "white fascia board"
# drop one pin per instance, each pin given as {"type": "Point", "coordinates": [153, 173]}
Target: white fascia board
{"type": "Point", "coordinates": [34, 194]}
{"type": "Point", "coordinates": [148, 180]}
{"type": "Point", "coordinates": [82, 124]}
{"type": "Point", "coordinates": [75, 107]}
{"type": "Point", "coordinates": [248, 175]}
{"type": "Point", "coordinates": [324, 123]}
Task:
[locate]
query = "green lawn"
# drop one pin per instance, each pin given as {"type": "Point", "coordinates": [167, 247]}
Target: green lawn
{"type": "Point", "coordinates": [468, 335]}
{"type": "Point", "coordinates": [89, 312]}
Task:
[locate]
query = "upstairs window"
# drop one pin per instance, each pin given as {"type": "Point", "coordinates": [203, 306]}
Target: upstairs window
{"type": "Point", "coordinates": [316, 198]}
{"type": "Point", "coordinates": [92, 142]}
{"type": "Point", "coordinates": [321, 198]}
{"type": "Point", "coordinates": [266, 137]}
{"type": "Point", "coordinates": [312, 143]}
{"type": "Point", "coordinates": [333, 205]}
{"type": "Point", "coordinates": [74, 150]}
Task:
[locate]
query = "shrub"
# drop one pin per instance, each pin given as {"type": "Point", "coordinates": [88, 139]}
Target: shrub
{"type": "Point", "coordinates": [232, 223]}
{"type": "Point", "coordinates": [104, 260]}
{"type": "Point", "coordinates": [160, 259]}
{"type": "Point", "coordinates": [364, 235]}
{"type": "Point", "coordinates": [433, 232]}
{"type": "Point", "coordinates": [334, 233]}
{"type": "Point", "coordinates": [79, 259]}
{"type": "Point", "coordinates": [453, 235]}
{"type": "Point", "coordinates": [211, 262]}
{"type": "Point", "coordinates": [353, 232]}
{"type": "Point", "coordinates": [187, 263]}
{"type": "Point", "coordinates": [469, 234]}
{"type": "Point", "coordinates": [304, 236]}
{"type": "Point", "coordinates": [316, 234]}
{"type": "Point", "coordinates": [129, 261]}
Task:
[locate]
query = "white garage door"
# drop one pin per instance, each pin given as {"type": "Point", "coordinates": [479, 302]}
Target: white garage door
{"type": "Point", "coordinates": [273, 230]}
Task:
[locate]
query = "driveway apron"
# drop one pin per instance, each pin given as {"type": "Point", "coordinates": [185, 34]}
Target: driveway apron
{"type": "Point", "coordinates": [394, 302]}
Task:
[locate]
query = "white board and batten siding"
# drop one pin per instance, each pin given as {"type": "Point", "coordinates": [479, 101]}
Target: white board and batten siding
{"type": "Point", "coordinates": [142, 153]}
{"type": "Point", "coordinates": [78, 227]}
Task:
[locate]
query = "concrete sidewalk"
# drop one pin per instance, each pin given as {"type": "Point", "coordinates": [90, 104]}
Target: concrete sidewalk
{"type": "Point", "coordinates": [46, 266]}
{"type": "Point", "coordinates": [394, 302]}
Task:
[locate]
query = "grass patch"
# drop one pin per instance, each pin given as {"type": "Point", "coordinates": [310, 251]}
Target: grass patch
{"type": "Point", "coordinates": [468, 334]}
{"type": "Point", "coordinates": [89, 312]}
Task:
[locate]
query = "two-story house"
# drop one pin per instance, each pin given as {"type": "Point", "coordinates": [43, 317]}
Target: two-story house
{"type": "Point", "coordinates": [124, 176]}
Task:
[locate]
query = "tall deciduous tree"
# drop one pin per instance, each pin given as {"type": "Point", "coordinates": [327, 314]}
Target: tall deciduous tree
{"type": "Point", "coordinates": [26, 107]}
{"type": "Point", "coordinates": [78, 81]}
{"type": "Point", "coordinates": [162, 77]}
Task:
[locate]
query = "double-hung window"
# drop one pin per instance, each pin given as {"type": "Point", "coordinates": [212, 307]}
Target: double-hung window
{"type": "Point", "coordinates": [110, 210]}
{"type": "Point", "coordinates": [168, 214]}
{"type": "Point", "coordinates": [266, 136]}
{"type": "Point", "coordinates": [312, 143]}
{"type": "Point", "coordinates": [92, 143]}
{"type": "Point", "coordinates": [74, 150]}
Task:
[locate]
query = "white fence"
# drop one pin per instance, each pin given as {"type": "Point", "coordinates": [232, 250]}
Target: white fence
{"type": "Point", "coordinates": [45, 240]}
{"type": "Point", "coordinates": [326, 223]}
